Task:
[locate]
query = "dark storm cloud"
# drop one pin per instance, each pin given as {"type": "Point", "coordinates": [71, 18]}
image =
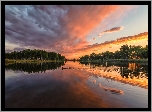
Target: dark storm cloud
{"type": "Point", "coordinates": [7, 50]}
{"type": "Point", "coordinates": [115, 29]}
{"type": "Point", "coordinates": [61, 28]}
{"type": "Point", "coordinates": [19, 49]}
{"type": "Point", "coordinates": [15, 49]}
{"type": "Point", "coordinates": [35, 28]}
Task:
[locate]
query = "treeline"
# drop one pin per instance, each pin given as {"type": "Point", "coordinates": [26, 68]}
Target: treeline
{"type": "Point", "coordinates": [34, 55]}
{"type": "Point", "coordinates": [125, 52]}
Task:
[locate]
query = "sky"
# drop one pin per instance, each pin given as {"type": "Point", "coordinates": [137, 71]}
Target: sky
{"type": "Point", "coordinates": [73, 30]}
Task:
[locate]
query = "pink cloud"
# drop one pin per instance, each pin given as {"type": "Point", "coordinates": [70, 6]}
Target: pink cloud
{"type": "Point", "coordinates": [61, 29]}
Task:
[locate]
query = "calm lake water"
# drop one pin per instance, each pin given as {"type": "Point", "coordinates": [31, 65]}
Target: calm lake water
{"type": "Point", "coordinates": [76, 85]}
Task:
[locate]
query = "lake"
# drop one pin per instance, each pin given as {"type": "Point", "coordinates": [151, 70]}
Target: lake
{"type": "Point", "coordinates": [76, 85]}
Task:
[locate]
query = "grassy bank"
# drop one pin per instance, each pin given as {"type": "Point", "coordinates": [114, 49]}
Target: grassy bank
{"type": "Point", "coordinates": [128, 60]}
{"type": "Point", "coordinates": [120, 60]}
{"type": "Point", "coordinates": [8, 61]}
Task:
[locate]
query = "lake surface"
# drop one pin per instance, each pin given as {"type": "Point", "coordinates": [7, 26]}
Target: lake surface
{"type": "Point", "coordinates": [76, 85]}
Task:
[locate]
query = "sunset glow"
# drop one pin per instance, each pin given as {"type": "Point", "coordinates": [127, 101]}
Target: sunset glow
{"type": "Point", "coordinates": [74, 31]}
{"type": "Point", "coordinates": [76, 56]}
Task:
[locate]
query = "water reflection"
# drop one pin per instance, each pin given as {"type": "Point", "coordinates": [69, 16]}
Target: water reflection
{"type": "Point", "coordinates": [74, 85]}
{"type": "Point", "coordinates": [126, 69]}
{"type": "Point", "coordinates": [130, 73]}
{"type": "Point", "coordinates": [34, 67]}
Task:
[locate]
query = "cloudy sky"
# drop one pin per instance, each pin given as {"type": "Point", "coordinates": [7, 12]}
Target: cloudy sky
{"type": "Point", "coordinates": [72, 30]}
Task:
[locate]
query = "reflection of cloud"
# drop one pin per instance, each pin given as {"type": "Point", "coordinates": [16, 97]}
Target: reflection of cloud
{"type": "Point", "coordinates": [115, 29]}
{"type": "Point", "coordinates": [108, 72]}
{"type": "Point", "coordinates": [115, 75]}
{"type": "Point", "coordinates": [112, 90]}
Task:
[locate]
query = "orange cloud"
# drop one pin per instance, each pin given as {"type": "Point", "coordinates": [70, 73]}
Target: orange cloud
{"type": "Point", "coordinates": [79, 23]}
{"type": "Point", "coordinates": [87, 18]}
{"type": "Point", "coordinates": [61, 29]}
{"type": "Point", "coordinates": [112, 45]}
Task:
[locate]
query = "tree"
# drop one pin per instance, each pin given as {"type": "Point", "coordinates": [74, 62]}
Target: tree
{"type": "Point", "coordinates": [34, 54]}
{"type": "Point", "coordinates": [124, 51]}
{"type": "Point", "coordinates": [92, 56]}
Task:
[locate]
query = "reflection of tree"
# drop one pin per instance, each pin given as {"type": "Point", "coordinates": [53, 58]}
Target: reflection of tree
{"type": "Point", "coordinates": [34, 67]}
{"type": "Point", "coordinates": [126, 69]}
{"type": "Point", "coordinates": [124, 72]}
{"type": "Point", "coordinates": [144, 69]}
{"type": "Point", "coordinates": [119, 64]}
{"type": "Point", "coordinates": [134, 70]}
{"type": "Point", "coordinates": [86, 63]}
{"type": "Point", "coordinates": [92, 64]}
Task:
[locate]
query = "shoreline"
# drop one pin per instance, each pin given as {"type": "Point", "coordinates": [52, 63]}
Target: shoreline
{"type": "Point", "coordinates": [118, 60]}
{"type": "Point", "coordinates": [10, 61]}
